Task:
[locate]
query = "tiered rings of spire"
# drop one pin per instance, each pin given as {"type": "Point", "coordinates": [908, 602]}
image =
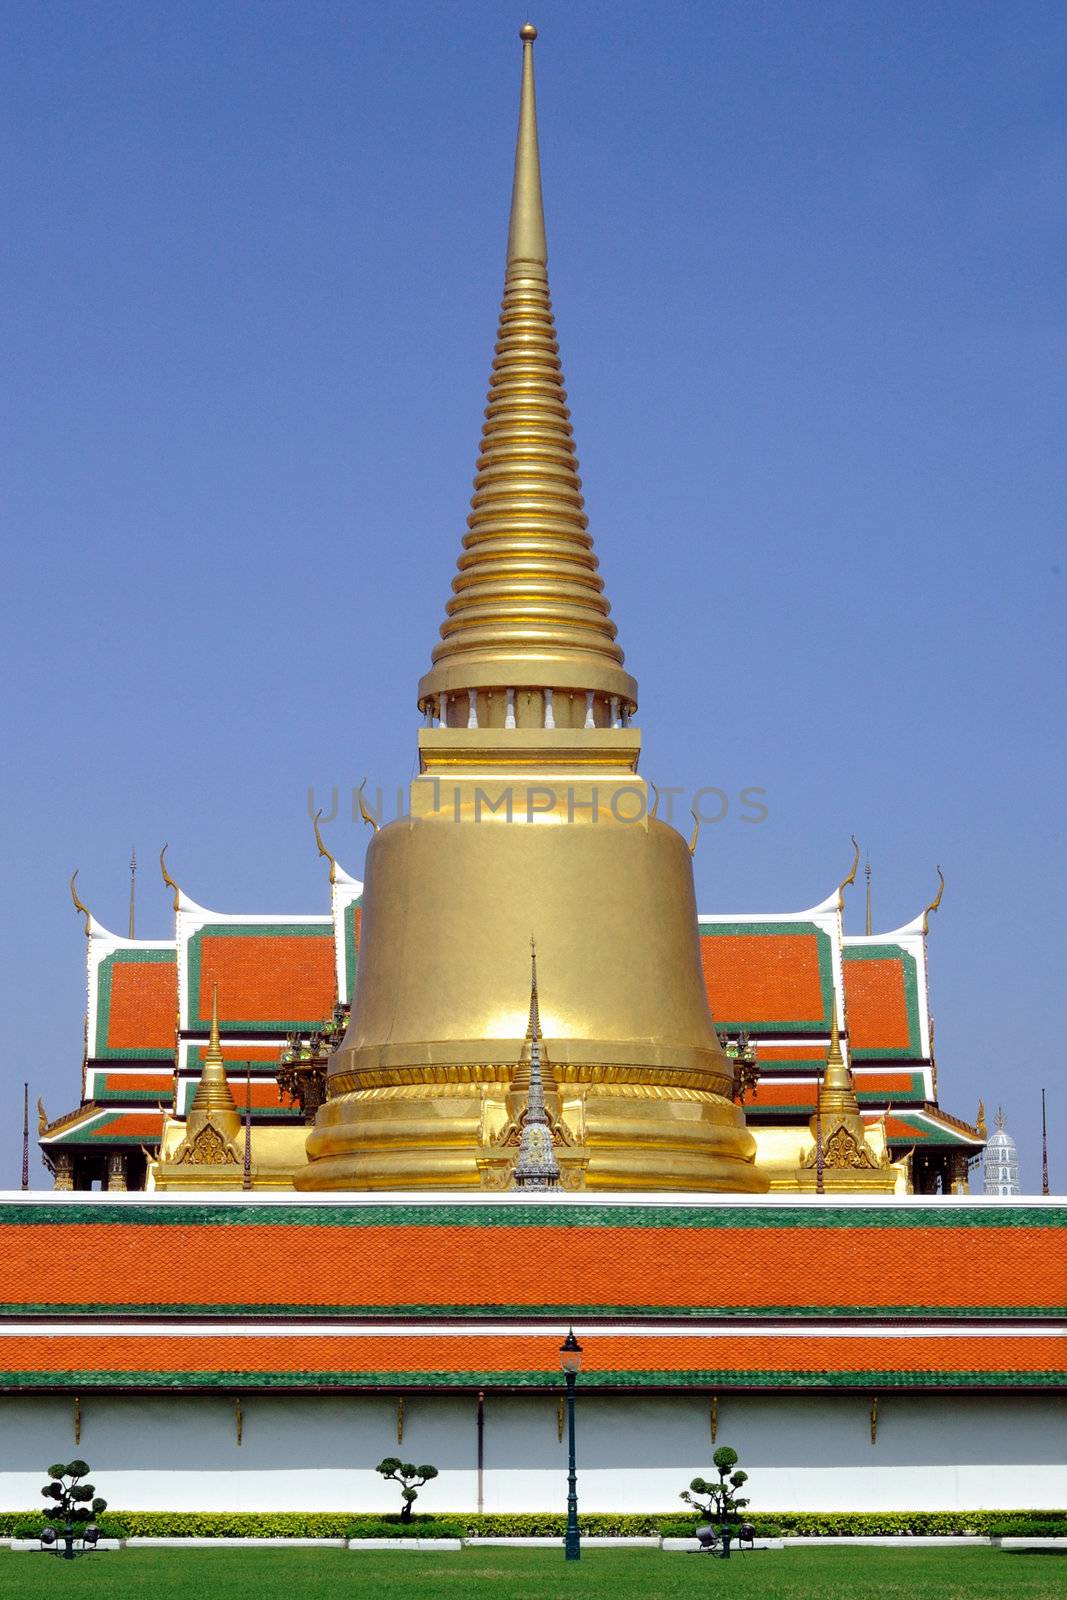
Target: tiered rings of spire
{"type": "Point", "coordinates": [528, 639]}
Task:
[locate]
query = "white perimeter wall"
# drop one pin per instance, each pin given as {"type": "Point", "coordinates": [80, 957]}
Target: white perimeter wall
{"type": "Point", "coordinates": [634, 1453]}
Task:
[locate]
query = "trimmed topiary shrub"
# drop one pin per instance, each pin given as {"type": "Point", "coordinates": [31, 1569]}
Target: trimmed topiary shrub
{"type": "Point", "coordinates": [409, 1477]}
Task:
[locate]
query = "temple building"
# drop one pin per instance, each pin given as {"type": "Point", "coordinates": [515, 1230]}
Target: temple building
{"type": "Point", "coordinates": [361, 1168]}
{"type": "Point", "coordinates": [773, 982]}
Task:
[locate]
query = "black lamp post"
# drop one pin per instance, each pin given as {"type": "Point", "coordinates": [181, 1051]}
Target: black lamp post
{"type": "Point", "coordinates": [570, 1359]}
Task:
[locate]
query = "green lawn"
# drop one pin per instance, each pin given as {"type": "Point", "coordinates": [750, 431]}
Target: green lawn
{"type": "Point", "coordinates": [974, 1573]}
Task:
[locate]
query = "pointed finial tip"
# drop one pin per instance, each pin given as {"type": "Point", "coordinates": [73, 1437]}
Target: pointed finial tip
{"type": "Point", "coordinates": [527, 33]}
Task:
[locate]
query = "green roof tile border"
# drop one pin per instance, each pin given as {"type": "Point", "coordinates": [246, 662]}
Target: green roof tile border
{"type": "Point", "coordinates": [529, 1215]}
{"type": "Point", "coordinates": [351, 948]}
{"type": "Point", "coordinates": [683, 1378]}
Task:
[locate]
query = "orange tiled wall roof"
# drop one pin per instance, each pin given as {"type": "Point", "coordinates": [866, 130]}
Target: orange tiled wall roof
{"type": "Point", "coordinates": [762, 977]}
{"type": "Point", "coordinates": [877, 1005]}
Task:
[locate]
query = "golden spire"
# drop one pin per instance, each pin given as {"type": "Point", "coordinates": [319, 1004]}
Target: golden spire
{"type": "Point", "coordinates": [837, 1127]}
{"type": "Point", "coordinates": [133, 887]}
{"type": "Point", "coordinates": [528, 609]}
{"type": "Point", "coordinates": [213, 1091]}
{"type": "Point", "coordinates": [526, 225]}
{"type": "Point", "coordinates": [867, 875]}
{"type": "Point", "coordinates": [837, 1093]}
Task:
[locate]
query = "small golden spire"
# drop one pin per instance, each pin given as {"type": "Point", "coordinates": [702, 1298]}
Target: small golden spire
{"type": "Point", "coordinates": [77, 903]}
{"type": "Point", "coordinates": [133, 883]}
{"type": "Point", "coordinates": [167, 879]}
{"type": "Point", "coordinates": [213, 1090]}
{"type": "Point", "coordinates": [980, 1123]}
{"type": "Point", "coordinates": [213, 1120]}
{"type": "Point", "coordinates": [935, 902]}
{"type": "Point", "coordinates": [837, 1076]}
{"type": "Point", "coordinates": [867, 875]}
{"type": "Point", "coordinates": [837, 1126]}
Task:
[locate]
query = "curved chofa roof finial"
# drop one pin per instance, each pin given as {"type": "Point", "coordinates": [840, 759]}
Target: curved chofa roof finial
{"type": "Point", "coordinates": [364, 813]}
{"type": "Point", "coordinates": [847, 883]}
{"type": "Point", "coordinates": [935, 902]}
{"type": "Point", "coordinates": [695, 814]}
{"type": "Point", "coordinates": [322, 848]}
{"type": "Point", "coordinates": [167, 879]}
{"type": "Point", "coordinates": [78, 905]}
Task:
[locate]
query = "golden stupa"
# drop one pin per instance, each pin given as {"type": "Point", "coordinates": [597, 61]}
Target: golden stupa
{"type": "Point", "coordinates": [528, 816]}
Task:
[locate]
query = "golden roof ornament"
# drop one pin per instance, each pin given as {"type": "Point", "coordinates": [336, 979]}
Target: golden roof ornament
{"type": "Point", "coordinates": [167, 879]}
{"type": "Point", "coordinates": [368, 816]}
{"type": "Point", "coordinates": [935, 902]}
{"type": "Point", "coordinates": [323, 852]}
{"type": "Point", "coordinates": [846, 883]}
{"type": "Point", "coordinates": [84, 910]}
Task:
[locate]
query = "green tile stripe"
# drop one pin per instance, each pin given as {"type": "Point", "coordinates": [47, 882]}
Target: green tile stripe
{"type": "Point", "coordinates": [150, 1097]}
{"type": "Point", "coordinates": [351, 952]}
{"type": "Point", "coordinates": [683, 1378]}
{"type": "Point", "coordinates": [473, 1313]}
{"type": "Point", "coordinates": [250, 930]}
{"type": "Point", "coordinates": [125, 958]}
{"type": "Point", "coordinates": [532, 1215]}
{"type": "Point", "coordinates": [789, 930]}
{"type": "Point", "coordinates": [910, 971]}
{"type": "Point", "coordinates": [241, 1064]}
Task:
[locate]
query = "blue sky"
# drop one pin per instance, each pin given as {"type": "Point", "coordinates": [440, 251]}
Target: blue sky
{"type": "Point", "coordinates": [808, 270]}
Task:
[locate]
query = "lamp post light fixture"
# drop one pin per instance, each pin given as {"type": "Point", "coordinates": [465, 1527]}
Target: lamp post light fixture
{"type": "Point", "coordinates": [570, 1359]}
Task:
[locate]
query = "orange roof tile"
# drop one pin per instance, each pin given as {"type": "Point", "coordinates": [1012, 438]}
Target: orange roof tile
{"type": "Point", "coordinates": [760, 979]}
{"type": "Point", "coordinates": [142, 1011]}
{"type": "Point", "coordinates": [266, 979]}
{"type": "Point", "coordinates": [403, 1262]}
{"type": "Point", "coordinates": [877, 1004]}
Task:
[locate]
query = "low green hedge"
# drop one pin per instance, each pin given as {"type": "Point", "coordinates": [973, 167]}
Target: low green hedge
{"type": "Point", "coordinates": [546, 1524]}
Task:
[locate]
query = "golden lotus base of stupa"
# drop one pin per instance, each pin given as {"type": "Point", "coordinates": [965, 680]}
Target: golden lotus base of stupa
{"type": "Point", "coordinates": [609, 1136]}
